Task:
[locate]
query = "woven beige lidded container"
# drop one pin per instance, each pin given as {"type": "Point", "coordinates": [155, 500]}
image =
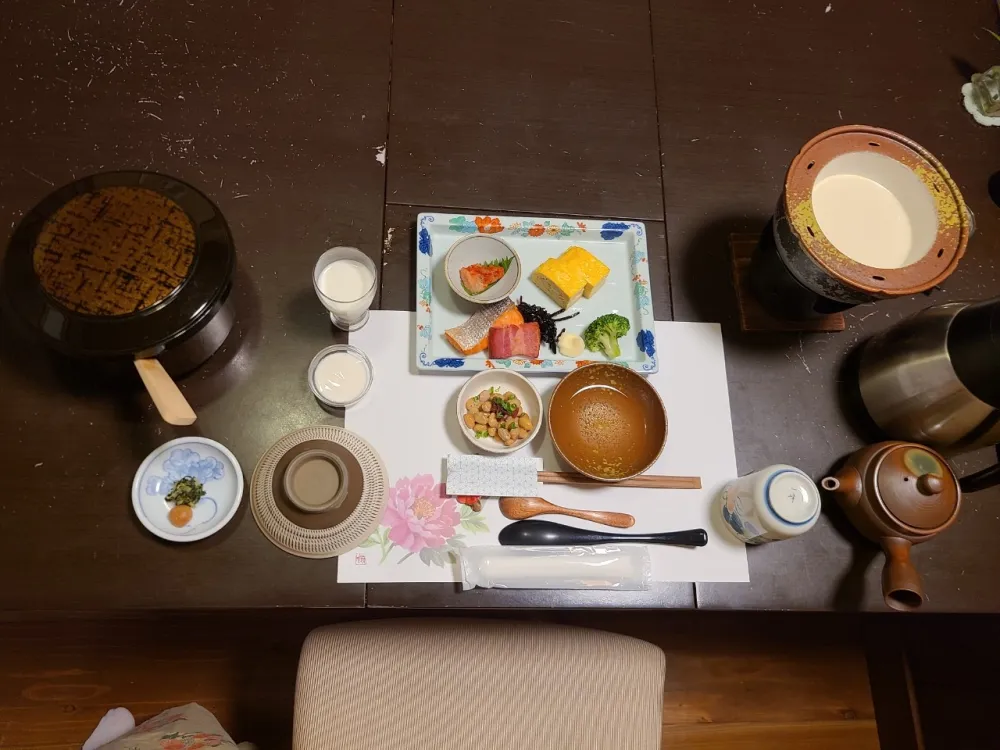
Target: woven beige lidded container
{"type": "Point", "coordinates": [332, 532]}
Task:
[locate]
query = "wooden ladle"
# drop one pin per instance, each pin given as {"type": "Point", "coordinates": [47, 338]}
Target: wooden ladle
{"type": "Point", "coordinates": [519, 508]}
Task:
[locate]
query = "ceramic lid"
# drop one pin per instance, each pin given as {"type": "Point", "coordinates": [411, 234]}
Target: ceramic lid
{"type": "Point", "coordinates": [793, 497]}
{"type": "Point", "coordinates": [119, 263]}
{"type": "Point", "coordinates": [917, 487]}
{"type": "Point", "coordinates": [328, 533]}
{"type": "Point", "coordinates": [315, 481]}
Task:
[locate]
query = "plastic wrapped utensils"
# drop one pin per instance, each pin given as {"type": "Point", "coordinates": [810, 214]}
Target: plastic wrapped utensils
{"type": "Point", "coordinates": [613, 568]}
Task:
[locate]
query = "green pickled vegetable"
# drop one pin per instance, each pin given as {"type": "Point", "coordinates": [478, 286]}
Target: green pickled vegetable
{"type": "Point", "coordinates": [186, 491]}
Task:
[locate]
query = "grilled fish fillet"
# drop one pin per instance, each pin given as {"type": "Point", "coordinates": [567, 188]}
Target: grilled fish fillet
{"type": "Point", "coordinates": [467, 337]}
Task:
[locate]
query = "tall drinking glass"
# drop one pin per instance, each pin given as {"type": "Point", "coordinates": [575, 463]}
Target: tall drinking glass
{"type": "Point", "coordinates": [345, 280]}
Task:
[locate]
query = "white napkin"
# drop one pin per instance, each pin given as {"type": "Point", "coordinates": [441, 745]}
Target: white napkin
{"type": "Point", "coordinates": [493, 476]}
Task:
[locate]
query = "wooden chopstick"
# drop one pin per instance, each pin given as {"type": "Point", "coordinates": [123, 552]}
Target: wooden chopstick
{"type": "Point", "coordinates": [643, 480]}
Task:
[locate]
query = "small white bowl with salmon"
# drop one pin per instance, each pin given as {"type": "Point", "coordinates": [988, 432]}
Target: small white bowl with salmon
{"type": "Point", "coordinates": [482, 269]}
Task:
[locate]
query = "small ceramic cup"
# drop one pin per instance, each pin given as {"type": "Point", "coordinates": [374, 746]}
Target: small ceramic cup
{"type": "Point", "coordinates": [315, 481]}
{"type": "Point", "coordinates": [779, 502]}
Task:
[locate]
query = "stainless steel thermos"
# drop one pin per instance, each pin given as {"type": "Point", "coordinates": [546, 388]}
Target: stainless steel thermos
{"type": "Point", "coordinates": [934, 379]}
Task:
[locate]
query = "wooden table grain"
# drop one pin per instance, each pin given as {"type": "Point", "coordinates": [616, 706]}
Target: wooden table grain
{"type": "Point", "coordinates": [729, 125]}
{"type": "Point", "coordinates": [525, 107]}
{"type": "Point", "coordinates": [276, 112]}
{"type": "Point", "coordinates": [681, 114]}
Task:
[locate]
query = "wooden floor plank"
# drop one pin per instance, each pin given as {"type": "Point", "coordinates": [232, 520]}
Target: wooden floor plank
{"type": "Point", "coordinates": [708, 686]}
{"type": "Point", "coordinates": [57, 679]}
{"type": "Point", "coordinates": [733, 682]}
{"type": "Point", "coordinates": [817, 735]}
{"type": "Point", "coordinates": [953, 668]}
{"type": "Point", "coordinates": [752, 667]}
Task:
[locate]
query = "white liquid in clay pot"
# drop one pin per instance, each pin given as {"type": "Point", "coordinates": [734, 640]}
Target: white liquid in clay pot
{"type": "Point", "coordinates": [874, 210]}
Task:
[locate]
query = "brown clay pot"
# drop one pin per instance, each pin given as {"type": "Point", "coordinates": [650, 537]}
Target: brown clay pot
{"type": "Point", "coordinates": [797, 272]}
{"type": "Point", "coordinates": [897, 494]}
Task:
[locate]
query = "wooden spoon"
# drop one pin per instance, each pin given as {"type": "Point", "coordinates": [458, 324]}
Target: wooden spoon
{"type": "Point", "coordinates": [519, 508]}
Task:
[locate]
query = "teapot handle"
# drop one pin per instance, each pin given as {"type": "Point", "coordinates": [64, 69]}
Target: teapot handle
{"type": "Point", "coordinates": [901, 586]}
{"type": "Point", "coordinates": [981, 480]}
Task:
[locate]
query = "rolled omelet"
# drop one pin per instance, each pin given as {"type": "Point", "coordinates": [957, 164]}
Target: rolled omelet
{"type": "Point", "coordinates": [594, 272]}
{"type": "Point", "coordinates": [563, 282]}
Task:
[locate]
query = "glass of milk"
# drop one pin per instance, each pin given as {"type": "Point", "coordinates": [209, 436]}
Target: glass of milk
{"type": "Point", "coordinates": [345, 282]}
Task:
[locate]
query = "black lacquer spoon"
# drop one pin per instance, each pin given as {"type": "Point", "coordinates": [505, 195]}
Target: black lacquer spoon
{"type": "Point", "coordinates": [546, 533]}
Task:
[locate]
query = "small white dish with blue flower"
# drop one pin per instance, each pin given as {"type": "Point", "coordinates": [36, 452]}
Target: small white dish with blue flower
{"type": "Point", "coordinates": [207, 461]}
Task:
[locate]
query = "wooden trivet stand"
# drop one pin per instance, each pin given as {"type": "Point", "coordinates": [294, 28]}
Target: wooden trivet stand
{"type": "Point", "coordinates": [755, 318]}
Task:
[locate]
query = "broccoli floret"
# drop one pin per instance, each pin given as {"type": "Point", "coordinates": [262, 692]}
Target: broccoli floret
{"type": "Point", "coordinates": [603, 334]}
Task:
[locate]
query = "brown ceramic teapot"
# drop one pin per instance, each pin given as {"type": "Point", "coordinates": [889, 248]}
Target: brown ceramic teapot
{"type": "Point", "coordinates": [897, 494]}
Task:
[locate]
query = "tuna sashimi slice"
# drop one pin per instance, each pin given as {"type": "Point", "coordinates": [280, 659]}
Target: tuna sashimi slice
{"type": "Point", "coordinates": [502, 342]}
{"type": "Point", "coordinates": [531, 340]}
{"type": "Point", "coordinates": [523, 340]}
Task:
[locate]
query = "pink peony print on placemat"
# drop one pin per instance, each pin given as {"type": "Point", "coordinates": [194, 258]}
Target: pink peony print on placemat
{"type": "Point", "coordinates": [421, 519]}
{"type": "Point", "coordinates": [419, 514]}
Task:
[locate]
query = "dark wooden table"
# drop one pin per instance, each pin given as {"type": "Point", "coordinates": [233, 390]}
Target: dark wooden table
{"type": "Point", "coordinates": [682, 114]}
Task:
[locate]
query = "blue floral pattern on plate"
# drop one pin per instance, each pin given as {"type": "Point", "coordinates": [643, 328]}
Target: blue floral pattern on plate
{"type": "Point", "coordinates": [449, 362]}
{"type": "Point", "coordinates": [424, 290]}
{"type": "Point", "coordinates": [612, 230]}
{"type": "Point", "coordinates": [185, 462]}
{"type": "Point", "coordinates": [644, 340]}
{"type": "Point", "coordinates": [424, 244]}
{"type": "Point", "coordinates": [424, 236]}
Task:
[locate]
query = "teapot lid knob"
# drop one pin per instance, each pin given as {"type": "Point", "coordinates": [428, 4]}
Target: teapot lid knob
{"type": "Point", "coordinates": [930, 484]}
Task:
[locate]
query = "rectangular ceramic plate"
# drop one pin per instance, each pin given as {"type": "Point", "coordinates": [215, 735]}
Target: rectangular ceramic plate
{"type": "Point", "coordinates": [620, 245]}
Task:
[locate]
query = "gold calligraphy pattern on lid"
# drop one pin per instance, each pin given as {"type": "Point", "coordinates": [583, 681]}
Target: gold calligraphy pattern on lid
{"type": "Point", "coordinates": [115, 251]}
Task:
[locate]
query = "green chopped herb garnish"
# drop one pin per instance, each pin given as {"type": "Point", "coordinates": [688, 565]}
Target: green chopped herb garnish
{"type": "Point", "coordinates": [505, 405]}
{"type": "Point", "coordinates": [186, 491]}
{"type": "Point", "coordinates": [503, 263]}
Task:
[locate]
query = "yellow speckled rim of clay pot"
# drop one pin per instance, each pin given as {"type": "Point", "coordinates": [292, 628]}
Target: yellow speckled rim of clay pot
{"type": "Point", "coordinates": [953, 219]}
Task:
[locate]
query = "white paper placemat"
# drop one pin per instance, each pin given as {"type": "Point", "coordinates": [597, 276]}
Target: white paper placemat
{"type": "Point", "coordinates": [410, 419]}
